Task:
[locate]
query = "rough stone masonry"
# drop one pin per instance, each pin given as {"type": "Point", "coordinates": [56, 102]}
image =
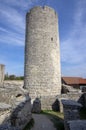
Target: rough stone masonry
{"type": "Point", "coordinates": [42, 53]}
{"type": "Point", "coordinates": [2, 67]}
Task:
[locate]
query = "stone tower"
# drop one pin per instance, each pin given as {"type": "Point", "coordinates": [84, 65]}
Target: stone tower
{"type": "Point", "coordinates": [2, 67]}
{"type": "Point", "coordinates": [42, 53]}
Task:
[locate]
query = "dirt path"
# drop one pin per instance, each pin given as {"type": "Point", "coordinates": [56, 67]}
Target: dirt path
{"type": "Point", "coordinates": [42, 123]}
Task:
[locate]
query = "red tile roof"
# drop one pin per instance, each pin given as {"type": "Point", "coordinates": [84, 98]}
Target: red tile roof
{"type": "Point", "coordinates": [82, 81]}
{"type": "Point", "coordinates": [74, 80]}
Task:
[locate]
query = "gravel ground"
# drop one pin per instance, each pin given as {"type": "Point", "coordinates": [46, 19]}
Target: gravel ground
{"type": "Point", "coordinates": [42, 122]}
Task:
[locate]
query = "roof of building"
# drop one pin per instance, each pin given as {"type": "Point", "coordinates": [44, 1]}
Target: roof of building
{"type": "Point", "coordinates": [74, 80]}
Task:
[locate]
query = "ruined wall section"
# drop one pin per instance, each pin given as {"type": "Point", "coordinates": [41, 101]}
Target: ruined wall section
{"type": "Point", "coordinates": [42, 53]}
{"type": "Point", "coordinates": [2, 68]}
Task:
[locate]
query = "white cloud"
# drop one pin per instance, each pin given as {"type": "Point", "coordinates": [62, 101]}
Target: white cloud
{"type": "Point", "coordinates": [3, 30]}
{"type": "Point", "coordinates": [12, 15]}
{"type": "Point", "coordinates": [10, 37]}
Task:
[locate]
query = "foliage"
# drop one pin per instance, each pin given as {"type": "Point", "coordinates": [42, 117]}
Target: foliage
{"type": "Point", "coordinates": [56, 118]}
{"type": "Point", "coordinates": [13, 77]}
{"type": "Point", "coordinates": [29, 125]}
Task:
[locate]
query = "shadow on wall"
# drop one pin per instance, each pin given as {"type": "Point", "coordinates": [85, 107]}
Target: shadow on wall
{"type": "Point", "coordinates": [17, 118]}
{"type": "Point", "coordinates": [56, 105]}
{"type": "Point", "coordinates": [36, 107]}
{"type": "Point", "coordinates": [82, 100]}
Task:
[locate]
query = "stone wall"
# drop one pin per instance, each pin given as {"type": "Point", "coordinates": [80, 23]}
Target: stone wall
{"type": "Point", "coordinates": [10, 90]}
{"type": "Point", "coordinates": [17, 117]}
{"type": "Point", "coordinates": [84, 101]}
{"type": "Point", "coordinates": [42, 53]}
{"type": "Point", "coordinates": [71, 116]}
{"type": "Point", "coordinates": [71, 111]}
{"type": "Point", "coordinates": [21, 115]}
{"type": "Point", "coordinates": [69, 96]}
{"type": "Point", "coordinates": [67, 88]}
{"type": "Point", "coordinates": [13, 83]}
{"type": "Point", "coordinates": [77, 125]}
{"type": "Point", "coordinates": [84, 89]}
{"type": "Point", "coordinates": [54, 102]}
{"type": "Point", "coordinates": [5, 112]}
{"type": "Point", "coordinates": [49, 103]}
{"type": "Point", "coordinates": [2, 68]}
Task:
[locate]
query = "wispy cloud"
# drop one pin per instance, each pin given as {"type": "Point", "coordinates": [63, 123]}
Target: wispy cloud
{"type": "Point", "coordinates": [73, 49]}
{"type": "Point", "coordinates": [24, 4]}
{"type": "Point", "coordinates": [10, 37]}
{"type": "Point", "coordinates": [12, 20]}
{"type": "Point", "coordinates": [12, 27]}
{"type": "Point", "coordinates": [11, 15]}
{"type": "Point", "coordinates": [12, 33]}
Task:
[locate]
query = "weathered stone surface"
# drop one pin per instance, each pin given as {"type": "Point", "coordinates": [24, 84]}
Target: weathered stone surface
{"type": "Point", "coordinates": [10, 91]}
{"type": "Point", "coordinates": [84, 89]}
{"type": "Point", "coordinates": [2, 68]}
{"type": "Point", "coordinates": [17, 117]}
{"type": "Point", "coordinates": [48, 102]}
{"type": "Point", "coordinates": [77, 125]}
{"type": "Point", "coordinates": [18, 111]}
{"type": "Point", "coordinates": [67, 88]}
{"type": "Point", "coordinates": [21, 115]}
{"type": "Point", "coordinates": [54, 102]}
{"type": "Point", "coordinates": [71, 104]}
{"type": "Point", "coordinates": [4, 106]}
{"type": "Point", "coordinates": [71, 112]}
{"type": "Point", "coordinates": [13, 83]}
{"type": "Point", "coordinates": [5, 117]}
{"type": "Point", "coordinates": [5, 112]}
{"type": "Point", "coordinates": [42, 53]}
{"type": "Point", "coordinates": [36, 106]}
{"type": "Point", "coordinates": [84, 101]}
{"type": "Point", "coordinates": [7, 127]}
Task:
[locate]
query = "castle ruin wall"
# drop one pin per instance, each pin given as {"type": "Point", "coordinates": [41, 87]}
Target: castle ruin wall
{"type": "Point", "coordinates": [2, 68]}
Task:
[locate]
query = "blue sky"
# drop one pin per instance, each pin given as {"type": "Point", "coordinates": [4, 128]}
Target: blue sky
{"type": "Point", "coordinates": [72, 31]}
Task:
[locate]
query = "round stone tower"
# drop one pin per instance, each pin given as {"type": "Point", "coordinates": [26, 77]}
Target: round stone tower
{"type": "Point", "coordinates": [42, 53]}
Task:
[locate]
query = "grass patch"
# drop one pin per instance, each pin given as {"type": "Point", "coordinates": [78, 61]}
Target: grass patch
{"type": "Point", "coordinates": [29, 125]}
{"type": "Point", "coordinates": [83, 113]}
{"type": "Point", "coordinates": [56, 118]}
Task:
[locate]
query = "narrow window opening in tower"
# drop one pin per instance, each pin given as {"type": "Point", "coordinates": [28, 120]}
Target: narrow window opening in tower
{"type": "Point", "coordinates": [51, 38]}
